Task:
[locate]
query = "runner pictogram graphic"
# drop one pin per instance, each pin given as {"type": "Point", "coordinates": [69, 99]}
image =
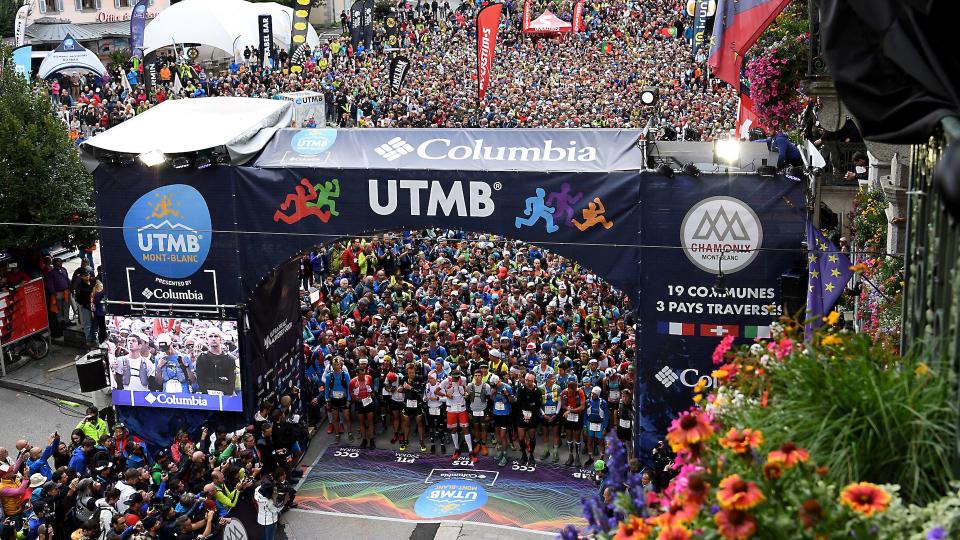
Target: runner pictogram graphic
{"type": "Point", "coordinates": [593, 215]}
{"type": "Point", "coordinates": [162, 209]}
{"type": "Point", "coordinates": [537, 208]}
{"type": "Point", "coordinates": [563, 201]}
{"type": "Point", "coordinates": [308, 200]}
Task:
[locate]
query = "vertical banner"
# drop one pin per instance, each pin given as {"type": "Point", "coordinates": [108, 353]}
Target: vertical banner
{"type": "Point", "coordinates": [398, 72]}
{"type": "Point", "coordinates": [22, 58]}
{"type": "Point", "coordinates": [393, 41]}
{"type": "Point", "coordinates": [356, 23]}
{"type": "Point", "coordinates": [20, 23]}
{"type": "Point", "coordinates": [137, 22]}
{"type": "Point", "coordinates": [367, 24]}
{"type": "Point", "coordinates": [704, 10]}
{"type": "Point", "coordinates": [265, 24]}
{"type": "Point", "coordinates": [737, 237]}
{"type": "Point", "coordinates": [488, 22]}
{"type": "Point", "coordinates": [298, 34]}
{"type": "Point", "coordinates": [273, 335]}
{"type": "Point", "coordinates": [526, 14]}
{"type": "Point", "coordinates": [151, 77]}
{"type": "Point", "coordinates": [578, 25]}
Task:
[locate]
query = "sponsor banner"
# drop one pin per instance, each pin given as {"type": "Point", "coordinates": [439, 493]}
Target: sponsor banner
{"type": "Point", "coordinates": [723, 228]}
{"type": "Point", "coordinates": [488, 23]}
{"type": "Point", "coordinates": [356, 23]}
{"type": "Point", "coordinates": [22, 60]}
{"type": "Point", "coordinates": [532, 150]}
{"type": "Point", "coordinates": [298, 34]}
{"type": "Point", "coordinates": [161, 251]}
{"type": "Point", "coordinates": [151, 75]}
{"type": "Point", "coordinates": [20, 23]}
{"type": "Point", "coordinates": [367, 24]}
{"type": "Point", "coordinates": [274, 341]}
{"type": "Point", "coordinates": [398, 72]}
{"type": "Point", "coordinates": [393, 37]}
{"type": "Point", "coordinates": [174, 363]}
{"type": "Point", "coordinates": [423, 487]}
{"type": "Point", "coordinates": [265, 26]}
{"type": "Point", "coordinates": [702, 12]}
{"type": "Point", "coordinates": [557, 211]}
{"type": "Point", "coordinates": [70, 54]}
{"type": "Point", "coordinates": [23, 311]}
{"type": "Point", "coordinates": [138, 21]}
{"type": "Point", "coordinates": [578, 25]}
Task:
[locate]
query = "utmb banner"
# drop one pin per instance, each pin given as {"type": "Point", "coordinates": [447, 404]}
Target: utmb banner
{"type": "Point", "coordinates": [202, 241]}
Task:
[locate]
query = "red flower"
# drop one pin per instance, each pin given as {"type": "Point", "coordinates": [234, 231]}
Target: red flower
{"type": "Point", "coordinates": [789, 455]}
{"type": "Point", "coordinates": [865, 498]}
{"type": "Point", "coordinates": [737, 494]}
{"type": "Point", "coordinates": [742, 441]}
{"type": "Point", "coordinates": [735, 524]}
{"type": "Point", "coordinates": [691, 428]}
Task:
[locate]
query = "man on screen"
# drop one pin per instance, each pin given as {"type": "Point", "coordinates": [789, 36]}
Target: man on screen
{"type": "Point", "coordinates": [175, 370]}
{"type": "Point", "coordinates": [216, 369]}
{"type": "Point", "coordinates": [133, 371]}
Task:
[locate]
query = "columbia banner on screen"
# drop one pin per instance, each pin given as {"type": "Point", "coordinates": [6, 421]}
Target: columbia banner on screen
{"type": "Point", "coordinates": [174, 363]}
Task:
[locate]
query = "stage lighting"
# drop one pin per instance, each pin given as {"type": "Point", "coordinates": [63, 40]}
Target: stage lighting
{"type": "Point", "coordinates": [691, 170]}
{"type": "Point", "coordinates": [726, 151]}
{"type": "Point", "coordinates": [108, 158]}
{"type": "Point", "coordinates": [180, 162]}
{"type": "Point", "coordinates": [649, 95]}
{"type": "Point", "coordinates": [153, 158]}
{"type": "Point", "coordinates": [126, 160]}
{"type": "Point", "coordinates": [795, 173]}
{"type": "Point", "coordinates": [221, 158]}
{"type": "Point", "coordinates": [767, 171]}
{"type": "Point", "coordinates": [665, 170]}
{"type": "Point", "coordinates": [202, 162]}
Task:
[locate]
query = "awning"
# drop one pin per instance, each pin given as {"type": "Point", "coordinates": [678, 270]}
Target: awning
{"type": "Point", "coordinates": [548, 23]}
{"type": "Point", "coordinates": [180, 126]}
{"type": "Point", "coordinates": [49, 30]}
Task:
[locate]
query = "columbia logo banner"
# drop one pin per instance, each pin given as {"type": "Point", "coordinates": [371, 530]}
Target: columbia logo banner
{"type": "Point", "coordinates": [393, 149]}
{"type": "Point", "coordinates": [666, 376]}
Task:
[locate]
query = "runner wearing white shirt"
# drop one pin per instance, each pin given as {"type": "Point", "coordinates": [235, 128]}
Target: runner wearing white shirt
{"type": "Point", "coordinates": [454, 389]}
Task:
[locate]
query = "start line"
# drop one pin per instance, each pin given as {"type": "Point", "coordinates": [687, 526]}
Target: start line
{"type": "Point", "coordinates": [411, 486]}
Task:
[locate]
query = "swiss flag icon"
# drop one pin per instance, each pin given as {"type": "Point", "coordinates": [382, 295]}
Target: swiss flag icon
{"type": "Point", "coordinates": [719, 330]}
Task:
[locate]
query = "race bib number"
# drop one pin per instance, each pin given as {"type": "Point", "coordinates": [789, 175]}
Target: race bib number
{"type": "Point", "coordinates": [614, 395]}
{"type": "Point", "coordinates": [478, 414]}
{"type": "Point", "coordinates": [386, 391]}
{"type": "Point", "coordinates": [412, 404]}
{"type": "Point", "coordinates": [336, 394]}
{"type": "Point", "coordinates": [499, 406]}
{"type": "Point", "coordinates": [366, 401]}
{"type": "Point", "coordinates": [214, 392]}
{"type": "Point", "coordinates": [434, 411]}
{"type": "Point", "coordinates": [527, 415]}
{"type": "Point", "coordinates": [550, 410]}
{"type": "Point", "coordinates": [572, 417]}
{"type": "Point", "coordinates": [594, 426]}
{"type": "Point", "coordinates": [626, 424]}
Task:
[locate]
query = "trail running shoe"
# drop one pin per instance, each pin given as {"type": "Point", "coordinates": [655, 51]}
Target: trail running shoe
{"type": "Point", "coordinates": [403, 446]}
{"type": "Point", "coordinates": [350, 436]}
{"type": "Point", "coordinates": [423, 447]}
{"type": "Point", "coordinates": [395, 438]}
{"type": "Point", "coordinates": [330, 429]}
{"type": "Point", "coordinates": [363, 443]}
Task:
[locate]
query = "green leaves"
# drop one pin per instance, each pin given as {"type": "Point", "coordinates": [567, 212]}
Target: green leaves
{"type": "Point", "coordinates": [42, 180]}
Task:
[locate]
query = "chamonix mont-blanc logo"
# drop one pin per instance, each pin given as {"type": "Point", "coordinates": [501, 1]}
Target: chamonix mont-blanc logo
{"type": "Point", "coordinates": [168, 231]}
{"type": "Point", "coordinates": [721, 228]}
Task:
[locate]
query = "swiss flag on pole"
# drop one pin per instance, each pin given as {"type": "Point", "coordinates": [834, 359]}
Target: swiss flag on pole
{"type": "Point", "coordinates": [746, 118]}
{"type": "Point", "coordinates": [719, 330]}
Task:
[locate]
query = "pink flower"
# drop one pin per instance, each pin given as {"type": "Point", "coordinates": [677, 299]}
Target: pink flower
{"type": "Point", "coordinates": [722, 348]}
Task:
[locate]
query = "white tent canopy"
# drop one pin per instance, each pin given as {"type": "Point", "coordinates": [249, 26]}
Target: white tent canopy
{"type": "Point", "coordinates": [70, 55]}
{"type": "Point", "coordinates": [548, 22]}
{"type": "Point", "coordinates": [180, 126]}
{"type": "Point", "coordinates": [225, 25]}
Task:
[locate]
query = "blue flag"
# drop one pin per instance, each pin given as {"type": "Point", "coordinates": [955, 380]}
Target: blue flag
{"type": "Point", "coordinates": [138, 19]}
{"type": "Point", "coordinates": [829, 273]}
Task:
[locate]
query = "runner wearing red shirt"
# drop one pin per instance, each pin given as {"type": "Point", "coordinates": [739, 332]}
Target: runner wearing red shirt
{"type": "Point", "coordinates": [361, 394]}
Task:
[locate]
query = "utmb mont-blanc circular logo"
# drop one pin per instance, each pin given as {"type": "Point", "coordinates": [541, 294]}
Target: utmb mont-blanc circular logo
{"type": "Point", "coordinates": [168, 231]}
{"type": "Point", "coordinates": [721, 227]}
{"type": "Point", "coordinates": [449, 498]}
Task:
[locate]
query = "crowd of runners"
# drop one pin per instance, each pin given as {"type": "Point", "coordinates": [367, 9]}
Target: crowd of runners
{"type": "Point", "coordinates": [486, 345]}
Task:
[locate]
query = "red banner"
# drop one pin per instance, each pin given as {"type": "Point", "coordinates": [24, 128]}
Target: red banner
{"type": "Point", "coordinates": [746, 117]}
{"type": "Point", "coordinates": [578, 25]}
{"type": "Point", "coordinates": [526, 14]}
{"type": "Point", "coordinates": [488, 22]}
{"type": "Point", "coordinates": [23, 312]}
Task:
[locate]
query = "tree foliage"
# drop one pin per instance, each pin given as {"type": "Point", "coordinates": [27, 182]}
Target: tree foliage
{"type": "Point", "coordinates": [8, 12]}
{"type": "Point", "coordinates": [42, 179]}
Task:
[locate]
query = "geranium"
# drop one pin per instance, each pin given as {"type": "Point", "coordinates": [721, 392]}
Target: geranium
{"type": "Point", "coordinates": [632, 528]}
{"type": "Point", "coordinates": [742, 441]}
{"type": "Point", "coordinates": [782, 347]}
{"type": "Point", "coordinates": [865, 498]}
{"type": "Point", "coordinates": [738, 494]}
{"type": "Point", "coordinates": [689, 429]}
{"type": "Point", "coordinates": [735, 524]}
{"type": "Point", "coordinates": [789, 455]}
{"type": "Point", "coordinates": [722, 349]}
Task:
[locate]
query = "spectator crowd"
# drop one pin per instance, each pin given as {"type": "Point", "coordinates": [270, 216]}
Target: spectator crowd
{"type": "Point", "coordinates": [587, 79]}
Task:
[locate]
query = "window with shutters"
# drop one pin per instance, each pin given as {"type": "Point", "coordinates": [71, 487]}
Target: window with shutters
{"type": "Point", "coordinates": [87, 5]}
{"type": "Point", "coordinates": [124, 3]}
{"type": "Point", "coordinates": [49, 6]}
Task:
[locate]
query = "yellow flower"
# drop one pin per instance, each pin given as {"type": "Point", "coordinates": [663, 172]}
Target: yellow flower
{"type": "Point", "coordinates": [922, 369]}
{"type": "Point", "coordinates": [833, 318]}
{"type": "Point", "coordinates": [701, 384]}
{"type": "Point", "coordinates": [831, 340]}
{"type": "Point", "coordinates": [697, 398]}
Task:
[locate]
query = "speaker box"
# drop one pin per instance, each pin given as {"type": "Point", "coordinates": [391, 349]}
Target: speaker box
{"type": "Point", "coordinates": [92, 371]}
{"type": "Point", "coordinates": [793, 293]}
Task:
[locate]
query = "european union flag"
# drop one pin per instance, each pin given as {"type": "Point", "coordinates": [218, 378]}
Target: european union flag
{"type": "Point", "coordinates": [829, 273]}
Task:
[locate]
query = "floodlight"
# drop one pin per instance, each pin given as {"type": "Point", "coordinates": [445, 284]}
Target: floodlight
{"type": "Point", "coordinates": [726, 151]}
{"type": "Point", "coordinates": [180, 162]}
{"type": "Point", "coordinates": [767, 171]}
{"type": "Point", "coordinates": [649, 95]}
{"type": "Point", "coordinates": [691, 170]}
{"type": "Point", "coordinates": [126, 160]}
{"type": "Point", "coordinates": [202, 162]}
{"type": "Point", "coordinates": [153, 158]}
{"type": "Point", "coordinates": [665, 170]}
